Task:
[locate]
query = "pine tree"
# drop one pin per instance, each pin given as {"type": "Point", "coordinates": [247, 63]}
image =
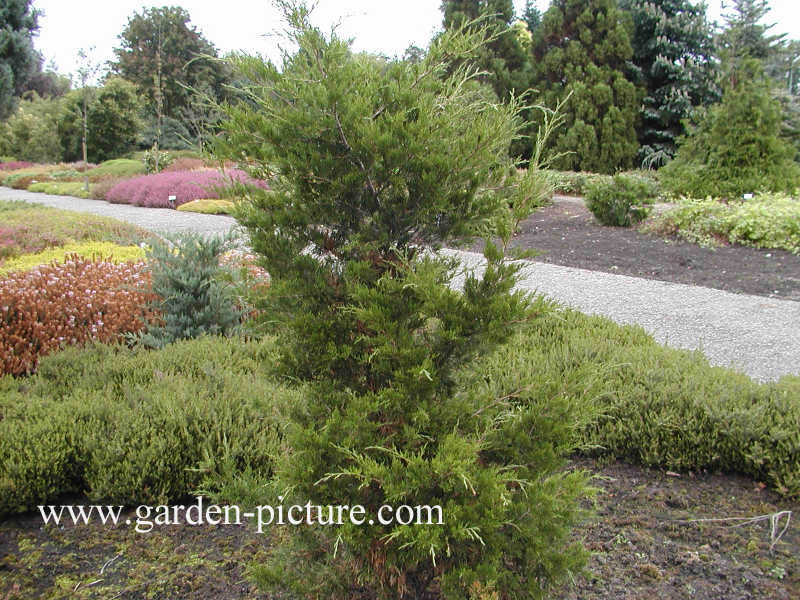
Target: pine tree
{"type": "Point", "coordinates": [377, 164]}
{"type": "Point", "coordinates": [746, 37]}
{"type": "Point", "coordinates": [532, 16]}
{"type": "Point", "coordinates": [505, 58]}
{"type": "Point", "coordinates": [736, 148]}
{"type": "Point", "coordinates": [582, 49]}
{"type": "Point", "coordinates": [18, 59]}
{"type": "Point", "coordinates": [672, 50]}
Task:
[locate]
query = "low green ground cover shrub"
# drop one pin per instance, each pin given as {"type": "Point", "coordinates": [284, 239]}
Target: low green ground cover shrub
{"type": "Point", "coordinates": [135, 427]}
{"type": "Point", "coordinates": [620, 201]}
{"type": "Point", "coordinates": [118, 168]}
{"type": "Point", "coordinates": [60, 188]}
{"type": "Point", "coordinates": [28, 228]}
{"type": "Point", "coordinates": [659, 406]}
{"type": "Point", "coordinates": [767, 221]}
{"type": "Point", "coordinates": [208, 206]}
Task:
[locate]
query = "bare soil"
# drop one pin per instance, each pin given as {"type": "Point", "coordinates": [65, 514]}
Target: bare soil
{"type": "Point", "coordinates": [567, 234]}
{"type": "Point", "coordinates": [652, 535]}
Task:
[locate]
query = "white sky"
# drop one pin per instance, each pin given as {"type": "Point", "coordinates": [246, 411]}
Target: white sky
{"type": "Point", "coordinates": [382, 26]}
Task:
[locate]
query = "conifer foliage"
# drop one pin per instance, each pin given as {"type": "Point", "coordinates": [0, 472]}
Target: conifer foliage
{"type": "Point", "coordinates": [583, 48]}
{"type": "Point", "coordinates": [736, 148]}
{"type": "Point", "coordinates": [672, 50]}
{"type": "Point", "coordinates": [374, 164]}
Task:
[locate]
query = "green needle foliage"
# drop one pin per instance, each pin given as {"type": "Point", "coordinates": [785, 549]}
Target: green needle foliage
{"type": "Point", "coordinates": [583, 48]}
{"type": "Point", "coordinates": [736, 148]}
{"type": "Point", "coordinates": [193, 298]}
{"type": "Point", "coordinates": [376, 163]}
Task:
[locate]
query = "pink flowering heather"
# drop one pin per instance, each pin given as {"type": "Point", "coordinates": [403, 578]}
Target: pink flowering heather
{"type": "Point", "coordinates": [154, 190]}
{"type": "Point", "coordinates": [14, 165]}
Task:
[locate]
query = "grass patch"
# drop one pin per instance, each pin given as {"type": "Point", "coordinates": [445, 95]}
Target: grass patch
{"type": "Point", "coordinates": [208, 206]}
{"type": "Point", "coordinates": [105, 250]}
{"type": "Point", "coordinates": [30, 228]}
{"type": "Point", "coordinates": [767, 221]}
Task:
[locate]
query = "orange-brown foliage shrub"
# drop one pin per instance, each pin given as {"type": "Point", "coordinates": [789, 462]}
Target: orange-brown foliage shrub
{"type": "Point", "coordinates": [71, 303]}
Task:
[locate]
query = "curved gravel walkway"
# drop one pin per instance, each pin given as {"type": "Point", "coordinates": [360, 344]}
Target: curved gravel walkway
{"type": "Point", "coordinates": [758, 336]}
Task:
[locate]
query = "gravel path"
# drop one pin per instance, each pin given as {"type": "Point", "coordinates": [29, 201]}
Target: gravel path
{"type": "Point", "coordinates": [758, 336]}
{"type": "Point", "coordinates": [153, 219]}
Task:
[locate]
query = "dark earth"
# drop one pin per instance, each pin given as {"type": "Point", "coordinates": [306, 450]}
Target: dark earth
{"type": "Point", "coordinates": [646, 536]}
{"type": "Point", "coordinates": [567, 234]}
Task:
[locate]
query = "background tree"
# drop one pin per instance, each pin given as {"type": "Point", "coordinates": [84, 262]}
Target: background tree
{"type": "Point", "coordinates": [532, 15]}
{"type": "Point", "coordinates": [673, 52]}
{"type": "Point", "coordinates": [88, 69]}
{"type": "Point", "coordinates": [504, 58]}
{"type": "Point", "coordinates": [746, 36]}
{"type": "Point", "coordinates": [583, 48]}
{"type": "Point", "coordinates": [737, 148]}
{"type": "Point", "coordinates": [31, 132]}
{"type": "Point", "coordinates": [18, 59]}
{"type": "Point", "coordinates": [113, 122]}
{"type": "Point", "coordinates": [47, 82]}
{"type": "Point", "coordinates": [166, 57]}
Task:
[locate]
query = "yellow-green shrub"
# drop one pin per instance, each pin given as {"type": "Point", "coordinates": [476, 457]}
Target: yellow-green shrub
{"type": "Point", "coordinates": [767, 221]}
{"type": "Point", "coordinates": [60, 188]}
{"type": "Point", "coordinates": [106, 250]}
{"type": "Point", "coordinates": [208, 206]}
{"type": "Point", "coordinates": [132, 426]}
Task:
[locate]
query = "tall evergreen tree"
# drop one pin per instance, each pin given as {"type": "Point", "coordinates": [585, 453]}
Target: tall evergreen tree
{"type": "Point", "coordinates": [18, 59]}
{"type": "Point", "coordinates": [532, 16]}
{"type": "Point", "coordinates": [672, 51]}
{"type": "Point", "coordinates": [505, 58]}
{"type": "Point", "coordinates": [583, 48]}
{"type": "Point", "coordinates": [746, 36]}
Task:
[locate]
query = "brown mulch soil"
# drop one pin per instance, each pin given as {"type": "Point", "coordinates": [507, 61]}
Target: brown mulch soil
{"type": "Point", "coordinates": [646, 537]}
{"type": "Point", "coordinates": [567, 234]}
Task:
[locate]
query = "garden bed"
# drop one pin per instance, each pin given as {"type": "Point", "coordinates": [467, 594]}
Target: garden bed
{"type": "Point", "coordinates": [640, 548]}
{"type": "Point", "coordinates": [568, 235]}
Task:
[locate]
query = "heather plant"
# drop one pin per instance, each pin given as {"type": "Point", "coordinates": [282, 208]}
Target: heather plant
{"type": "Point", "coordinates": [15, 165]}
{"type": "Point", "coordinates": [376, 164]}
{"type": "Point", "coordinates": [73, 302]}
{"type": "Point", "coordinates": [108, 251]}
{"type": "Point", "coordinates": [77, 425]}
{"type": "Point", "coordinates": [191, 295]}
{"type": "Point", "coordinates": [154, 190]}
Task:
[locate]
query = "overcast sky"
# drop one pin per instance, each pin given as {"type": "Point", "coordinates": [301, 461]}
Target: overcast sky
{"type": "Point", "coordinates": [382, 26]}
